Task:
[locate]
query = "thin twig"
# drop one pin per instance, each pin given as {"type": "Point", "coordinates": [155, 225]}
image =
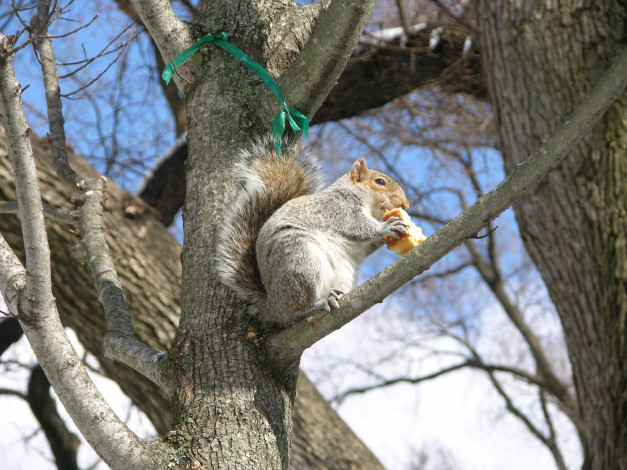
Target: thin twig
{"type": "Point", "coordinates": [91, 82]}
{"type": "Point", "coordinates": [456, 18]}
{"type": "Point", "coordinates": [43, 45]}
{"type": "Point", "coordinates": [387, 383]}
{"type": "Point", "coordinates": [104, 52]}
{"type": "Point", "coordinates": [50, 212]}
{"type": "Point", "coordinates": [13, 393]}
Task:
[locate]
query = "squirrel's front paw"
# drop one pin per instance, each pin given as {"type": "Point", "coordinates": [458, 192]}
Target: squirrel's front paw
{"type": "Point", "coordinates": [395, 227]}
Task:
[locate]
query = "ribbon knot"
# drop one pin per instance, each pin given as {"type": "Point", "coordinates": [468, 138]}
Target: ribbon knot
{"type": "Point", "coordinates": [298, 121]}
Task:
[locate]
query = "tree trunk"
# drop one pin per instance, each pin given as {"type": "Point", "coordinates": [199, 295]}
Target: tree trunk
{"type": "Point", "coordinates": [226, 381]}
{"type": "Point", "coordinates": [223, 380]}
{"type": "Point", "coordinates": [540, 59]}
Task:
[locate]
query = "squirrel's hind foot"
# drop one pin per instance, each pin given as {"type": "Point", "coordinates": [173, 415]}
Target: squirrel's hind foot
{"type": "Point", "coordinates": [332, 302]}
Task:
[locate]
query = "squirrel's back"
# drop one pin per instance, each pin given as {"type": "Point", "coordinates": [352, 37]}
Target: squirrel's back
{"type": "Point", "coordinates": [264, 182]}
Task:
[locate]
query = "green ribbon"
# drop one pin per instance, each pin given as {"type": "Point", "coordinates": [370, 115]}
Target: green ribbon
{"type": "Point", "coordinates": [298, 121]}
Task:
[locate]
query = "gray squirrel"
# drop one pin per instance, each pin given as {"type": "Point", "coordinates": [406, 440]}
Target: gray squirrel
{"type": "Point", "coordinates": [286, 247]}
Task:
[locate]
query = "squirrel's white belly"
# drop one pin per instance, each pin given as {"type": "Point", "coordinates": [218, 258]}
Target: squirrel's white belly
{"type": "Point", "coordinates": [337, 264]}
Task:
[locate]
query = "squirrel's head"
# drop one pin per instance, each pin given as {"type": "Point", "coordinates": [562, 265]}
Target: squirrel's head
{"type": "Point", "coordinates": [386, 193]}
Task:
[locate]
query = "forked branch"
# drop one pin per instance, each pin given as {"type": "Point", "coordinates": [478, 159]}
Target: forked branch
{"type": "Point", "coordinates": [30, 296]}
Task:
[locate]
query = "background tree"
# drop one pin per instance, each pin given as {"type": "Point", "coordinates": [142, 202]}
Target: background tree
{"type": "Point", "coordinates": [573, 224]}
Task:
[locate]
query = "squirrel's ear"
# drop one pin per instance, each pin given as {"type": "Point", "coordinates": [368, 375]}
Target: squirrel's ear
{"type": "Point", "coordinates": [358, 170]}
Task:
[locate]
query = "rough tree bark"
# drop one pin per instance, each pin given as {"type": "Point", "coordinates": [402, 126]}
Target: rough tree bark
{"type": "Point", "coordinates": [540, 59]}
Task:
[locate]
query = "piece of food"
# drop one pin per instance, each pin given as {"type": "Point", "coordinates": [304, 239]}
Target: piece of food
{"type": "Point", "coordinates": [402, 245]}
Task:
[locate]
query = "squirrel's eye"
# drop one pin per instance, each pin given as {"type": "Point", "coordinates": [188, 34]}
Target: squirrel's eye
{"type": "Point", "coordinates": [380, 181]}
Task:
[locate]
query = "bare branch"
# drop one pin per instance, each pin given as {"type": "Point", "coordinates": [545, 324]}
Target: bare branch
{"type": "Point", "coordinates": [468, 363]}
{"type": "Point", "coordinates": [53, 99]}
{"type": "Point", "coordinates": [376, 75]}
{"type": "Point", "coordinates": [169, 33]}
{"type": "Point", "coordinates": [41, 22]}
{"type": "Point", "coordinates": [104, 52]}
{"type": "Point", "coordinates": [410, 380]}
{"type": "Point", "coordinates": [551, 439]}
{"type": "Point", "coordinates": [38, 285]}
{"type": "Point", "coordinates": [12, 276]}
{"type": "Point", "coordinates": [50, 212]}
{"type": "Point", "coordinates": [444, 273]}
{"type": "Point", "coordinates": [491, 274]}
{"type": "Point", "coordinates": [91, 82]}
{"type": "Point", "coordinates": [13, 393]}
{"type": "Point", "coordinates": [512, 408]}
{"type": "Point", "coordinates": [548, 441]}
{"type": "Point", "coordinates": [120, 342]}
{"type": "Point", "coordinates": [287, 346]}
{"type": "Point", "coordinates": [313, 74]}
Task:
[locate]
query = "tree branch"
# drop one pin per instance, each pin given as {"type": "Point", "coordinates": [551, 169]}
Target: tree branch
{"type": "Point", "coordinates": [116, 444]}
{"type": "Point", "coordinates": [38, 284]}
{"type": "Point", "coordinates": [375, 76]}
{"type": "Point", "coordinates": [551, 441]}
{"type": "Point", "coordinates": [491, 273]}
{"type": "Point", "coordinates": [312, 75]}
{"type": "Point", "coordinates": [12, 393]}
{"type": "Point", "coordinates": [492, 276]}
{"type": "Point", "coordinates": [12, 275]}
{"type": "Point", "coordinates": [470, 363]}
{"type": "Point", "coordinates": [548, 441]}
{"type": "Point", "coordinates": [512, 408]}
{"type": "Point", "coordinates": [120, 342]}
{"type": "Point", "coordinates": [410, 380]}
{"type": "Point", "coordinates": [171, 35]}
{"type": "Point", "coordinates": [43, 45]}
{"type": "Point", "coordinates": [287, 346]}
{"type": "Point", "coordinates": [50, 212]}
{"type": "Point", "coordinates": [63, 443]}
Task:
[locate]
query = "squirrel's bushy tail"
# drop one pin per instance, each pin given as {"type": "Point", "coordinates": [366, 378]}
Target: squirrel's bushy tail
{"type": "Point", "coordinates": [263, 183]}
